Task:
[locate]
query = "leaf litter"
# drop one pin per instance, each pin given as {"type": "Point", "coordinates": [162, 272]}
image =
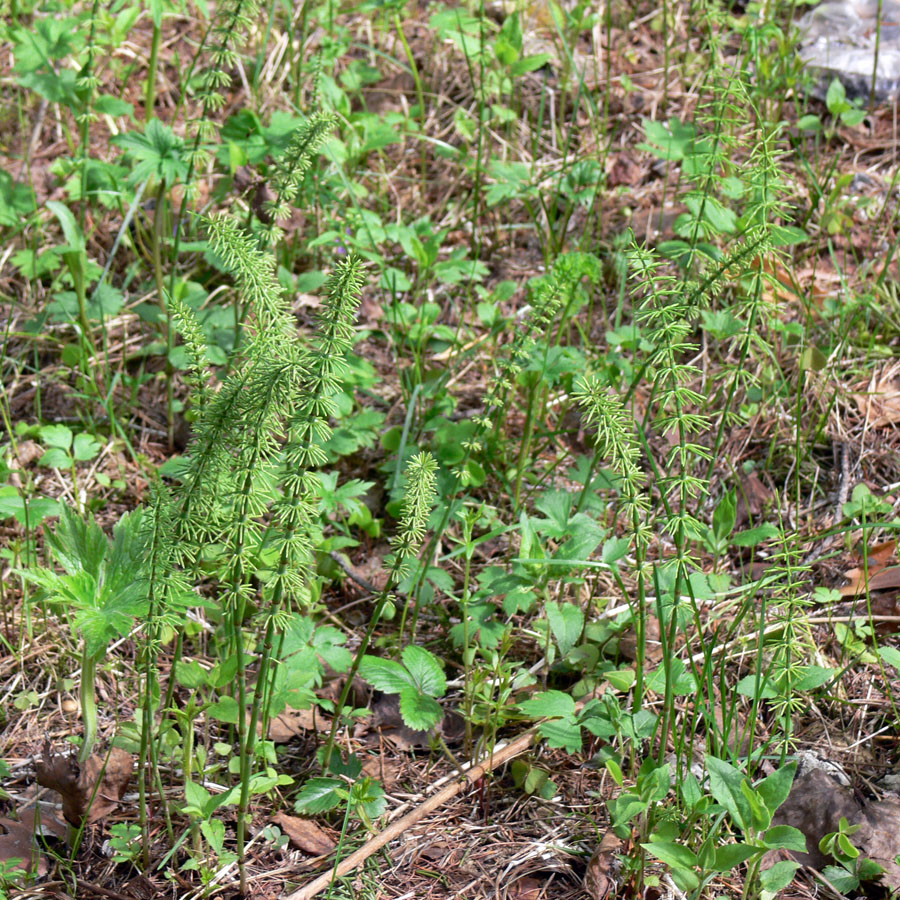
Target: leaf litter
{"type": "Point", "coordinates": [90, 790]}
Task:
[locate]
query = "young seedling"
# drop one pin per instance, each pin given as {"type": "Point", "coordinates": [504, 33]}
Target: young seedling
{"type": "Point", "coordinates": [103, 587]}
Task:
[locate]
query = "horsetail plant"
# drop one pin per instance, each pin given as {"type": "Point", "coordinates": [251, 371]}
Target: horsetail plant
{"type": "Point", "coordinates": [270, 416]}
{"type": "Point", "coordinates": [418, 500]}
{"type": "Point", "coordinates": [548, 298]}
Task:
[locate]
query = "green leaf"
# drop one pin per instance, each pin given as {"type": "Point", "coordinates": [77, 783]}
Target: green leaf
{"type": "Point", "coordinates": [113, 106]}
{"type": "Point", "coordinates": [836, 98]}
{"type": "Point", "coordinates": [625, 807]}
{"type": "Point", "coordinates": [71, 229]}
{"type": "Point", "coordinates": [621, 679]}
{"type": "Point", "coordinates": [779, 876]}
{"type": "Point", "coordinates": [731, 856]}
{"type": "Point", "coordinates": [77, 545]}
{"type": "Point", "coordinates": [787, 235]}
{"type": "Point", "coordinates": [809, 123]}
{"type": "Point", "coordinates": [196, 795]}
{"type": "Point", "coordinates": [425, 670]}
{"type": "Point", "coordinates": [158, 151]}
{"type": "Point", "coordinates": [672, 854]}
{"type": "Point", "coordinates": [724, 517]}
{"type": "Point", "coordinates": [852, 117]}
{"type": "Point", "coordinates": [785, 837]}
{"type": "Point", "coordinates": [811, 677]}
{"type": "Point", "coordinates": [190, 674]}
{"type": "Point", "coordinates": [529, 63]}
{"type": "Point", "coordinates": [774, 788]}
{"type": "Point", "coordinates": [32, 513]}
{"type": "Point", "coordinates": [56, 436]}
{"type": "Point", "coordinates": [419, 712]}
{"type": "Point", "coordinates": [112, 617]}
{"type": "Point", "coordinates": [86, 447]}
{"type": "Point", "coordinates": [748, 687]}
{"type": "Point", "coordinates": [725, 785]}
{"type": "Point", "coordinates": [318, 795]}
{"type": "Point", "coordinates": [760, 816]}
{"type": "Point", "coordinates": [840, 878]}
{"type": "Point", "coordinates": [566, 622]}
{"type": "Point", "coordinates": [563, 733]}
{"type": "Point", "coordinates": [755, 536]}
{"type": "Point", "coordinates": [551, 704]}
{"type": "Point", "coordinates": [890, 656]}
{"type": "Point", "coordinates": [225, 709]}
{"type": "Point", "coordinates": [385, 674]}
{"type": "Point", "coordinates": [614, 549]}
{"type": "Point", "coordinates": [55, 458]}
{"type": "Point", "coordinates": [653, 781]}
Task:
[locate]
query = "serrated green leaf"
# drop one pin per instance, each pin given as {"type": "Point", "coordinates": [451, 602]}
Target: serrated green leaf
{"type": "Point", "coordinates": [225, 709]}
{"type": "Point", "coordinates": [55, 458]}
{"type": "Point", "coordinates": [425, 669]}
{"type": "Point", "coordinates": [318, 795]}
{"type": "Point", "coordinates": [385, 674]}
{"type": "Point", "coordinates": [85, 447]}
{"type": "Point", "coordinates": [419, 712]}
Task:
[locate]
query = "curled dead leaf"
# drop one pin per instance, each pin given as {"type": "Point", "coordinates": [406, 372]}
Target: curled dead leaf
{"type": "Point", "coordinates": [90, 790]}
{"type": "Point", "coordinates": [880, 576]}
{"type": "Point", "coordinates": [601, 878]}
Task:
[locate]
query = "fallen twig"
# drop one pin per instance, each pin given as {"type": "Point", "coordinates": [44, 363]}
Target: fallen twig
{"type": "Point", "coordinates": [470, 776]}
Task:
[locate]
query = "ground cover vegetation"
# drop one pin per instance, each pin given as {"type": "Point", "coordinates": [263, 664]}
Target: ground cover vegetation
{"type": "Point", "coordinates": [448, 450]}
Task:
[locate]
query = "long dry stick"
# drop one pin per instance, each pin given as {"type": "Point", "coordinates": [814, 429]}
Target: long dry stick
{"type": "Point", "coordinates": [469, 777]}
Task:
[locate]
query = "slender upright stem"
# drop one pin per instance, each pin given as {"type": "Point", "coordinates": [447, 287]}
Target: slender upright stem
{"type": "Point", "coordinates": [88, 704]}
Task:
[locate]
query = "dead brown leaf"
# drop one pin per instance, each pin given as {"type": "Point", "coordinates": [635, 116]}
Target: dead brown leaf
{"type": "Point", "coordinates": [305, 835]}
{"type": "Point", "coordinates": [877, 558]}
{"type": "Point", "coordinates": [526, 888]}
{"type": "Point", "coordinates": [17, 843]}
{"type": "Point", "coordinates": [385, 769]}
{"type": "Point", "coordinates": [882, 580]}
{"type": "Point", "coordinates": [816, 804]}
{"type": "Point", "coordinates": [878, 838]}
{"type": "Point", "coordinates": [653, 646]}
{"type": "Point", "coordinates": [294, 722]}
{"type": "Point", "coordinates": [601, 878]}
{"type": "Point", "coordinates": [752, 498]}
{"type": "Point", "coordinates": [624, 170]}
{"type": "Point", "coordinates": [91, 790]}
{"type": "Point", "coordinates": [387, 719]}
{"type": "Point", "coordinates": [880, 404]}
